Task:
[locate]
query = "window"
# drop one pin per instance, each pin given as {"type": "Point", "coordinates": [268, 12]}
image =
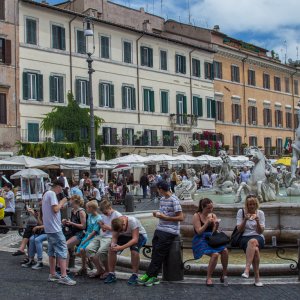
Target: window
{"type": "Point", "coordinates": [197, 106]}
{"type": "Point", "coordinates": [32, 86]}
{"type": "Point", "coordinates": [58, 37]}
{"type": "Point", "coordinates": [58, 135]}
{"type": "Point", "coordinates": [109, 136]}
{"type": "Point", "coordinates": [211, 108]}
{"type": "Point", "coordinates": [168, 138]}
{"type": "Point", "coordinates": [106, 95]}
{"type": "Point", "coordinates": [296, 87]}
{"type": "Point", "coordinates": [252, 115]}
{"type": "Point", "coordinates": [277, 84]}
{"type": "Point", "coordinates": [31, 32]}
{"type": "Point", "coordinates": [5, 51]}
{"type": "Point", "coordinates": [149, 100]}
{"type": "Point", "coordinates": [82, 94]}
{"type": "Point", "coordinates": [104, 46]}
{"type": "Point", "coordinates": [251, 77]}
{"type": "Point", "coordinates": [181, 109]}
{"type": "Point", "coordinates": [287, 84]}
{"type": "Point", "coordinates": [253, 141]}
{"type": "Point", "coordinates": [288, 118]}
{"type": "Point", "coordinates": [128, 97]}
{"type": "Point", "coordinates": [127, 52]}
{"type": "Point", "coordinates": [237, 142]}
{"type": "Point", "coordinates": [208, 69]}
{"type": "Point", "coordinates": [147, 57]}
{"type": "Point", "coordinates": [266, 81]}
{"type": "Point", "coordinates": [3, 112]}
{"type": "Point", "coordinates": [150, 137]}
{"type": "Point", "coordinates": [164, 96]}
{"type": "Point", "coordinates": [33, 132]}
{"type": "Point", "coordinates": [220, 111]}
{"type": "Point", "coordinates": [296, 119]}
{"type": "Point", "coordinates": [279, 146]}
{"type": "Point", "coordinates": [180, 61]}
{"type": "Point", "coordinates": [127, 136]}
{"type": "Point", "coordinates": [268, 146]}
{"type": "Point", "coordinates": [2, 9]}
{"type": "Point", "coordinates": [236, 113]}
{"type": "Point", "coordinates": [235, 73]}
{"type": "Point", "coordinates": [81, 45]}
{"type": "Point", "coordinates": [217, 69]}
{"type": "Point", "coordinates": [163, 60]}
{"type": "Point", "coordinates": [278, 118]}
{"type": "Point", "coordinates": [196, 68]}
{"type": "Point", "coordinates": [56, 88]}
{"type": "Point", "coordinates": [267, 117]}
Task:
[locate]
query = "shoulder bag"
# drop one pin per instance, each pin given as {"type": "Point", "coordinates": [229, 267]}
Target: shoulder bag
{"type": "Point", "coordinates": [236, 235]}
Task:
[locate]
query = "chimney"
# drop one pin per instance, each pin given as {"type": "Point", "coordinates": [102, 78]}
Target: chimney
{"type": "Point", "coordinates": [216, 28]}
{"type": "Point", "coordinates": [146, 26]}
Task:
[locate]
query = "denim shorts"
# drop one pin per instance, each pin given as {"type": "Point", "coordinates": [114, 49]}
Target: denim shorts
{"type": "Point", "coordinates": [57, 246]}
{"type": "Point", "coordinates": [122, 240]}
{"type": "Point", "coordinates": [245, 239]}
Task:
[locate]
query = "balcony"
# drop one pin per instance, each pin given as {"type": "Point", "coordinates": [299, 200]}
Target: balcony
{"type": "Point", "coordinates": [183, 121]}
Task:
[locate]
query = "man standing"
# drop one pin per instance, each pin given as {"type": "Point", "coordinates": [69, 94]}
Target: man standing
{"type": "Point", "coordinates": [10, 204]}
{"type": "Point", "coordinates": [169, 215]}
{"type": "Point", "coordinates": [57, 246]}
{"type": "Point", "coordinates": [245, 175]}
{"type": "Point", "coordinates": [144, 182]}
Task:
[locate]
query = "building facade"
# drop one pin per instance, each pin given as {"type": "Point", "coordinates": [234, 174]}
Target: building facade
{"type": "Point", "coordinates": [9, 77]}
{"type": "Point", "coordinates": [152, 84]}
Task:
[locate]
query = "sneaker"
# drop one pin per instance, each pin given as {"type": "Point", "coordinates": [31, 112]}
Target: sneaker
{"type": "Point", "coordinates": [151, 281]}
{"type": "Point", "coordinates": [133, 279]}
{"type": "Point", "coordinates": [143, 279]}
{"type": "Point", "coordinates": [53, 278]}
{"type": "Point", "coordinates": [29, 264]}
{"type": "Point", "coordinates": [66, 280]}
{"type": "Point", "coordinates": [110, 278]}
{"type": "Point", "coordinates": [39, 265]}
{"type": "Point", "coordinates": [258, 284]}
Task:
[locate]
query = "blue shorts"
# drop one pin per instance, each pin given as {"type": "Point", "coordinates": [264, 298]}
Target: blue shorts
{"type": "Point", "coordinates": [57, 246]}
{"type": "Point", "coordinates": [245, 239]}
{"type": "Point", "coordinates": [123, 239]}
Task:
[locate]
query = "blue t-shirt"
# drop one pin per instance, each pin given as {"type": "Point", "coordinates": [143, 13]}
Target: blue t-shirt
{"type": "Point", "coordinates": [169, 207]}
{"type": "Point", "coordinates": [76, 191]}
{"type": "Point", "coordinates": [92, 224]}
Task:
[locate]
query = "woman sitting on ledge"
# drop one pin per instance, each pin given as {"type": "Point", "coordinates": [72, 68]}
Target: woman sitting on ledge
{"type": "Point", "coordinates": [251, 221]}
{"type": "Point", "coordinates": [205, 223]}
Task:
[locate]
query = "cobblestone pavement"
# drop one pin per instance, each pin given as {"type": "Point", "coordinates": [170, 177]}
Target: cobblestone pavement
{"type": "Point", "coordinates": [21, 283]}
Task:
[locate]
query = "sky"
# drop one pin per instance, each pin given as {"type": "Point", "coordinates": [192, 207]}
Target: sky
{"type": "Point", "coordinates": [271, 24]}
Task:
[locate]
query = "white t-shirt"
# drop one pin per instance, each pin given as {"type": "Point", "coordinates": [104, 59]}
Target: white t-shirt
{"type": "Point", "coordinates": [51, 220]}
{"type": "Point", "coordinates": [134, 223]}
{"type": "Point", "coordinates": [250, 226]}
{"type": "Point", "coordinates": [206, 180]}
{"type": "Point", "coordinates": [107, 221]}
{"type": "Point", "coordinates": [95, 190]}
{"type": "Point", "coordinates": [10, 201]}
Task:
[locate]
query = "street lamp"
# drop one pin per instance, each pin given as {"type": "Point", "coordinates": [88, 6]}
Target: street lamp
{"type": "Point", "coordinates": [88, 29]}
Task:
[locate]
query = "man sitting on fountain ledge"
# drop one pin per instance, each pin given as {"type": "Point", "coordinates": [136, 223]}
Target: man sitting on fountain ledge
{"type": "Point", "coordinates": [169, 215]}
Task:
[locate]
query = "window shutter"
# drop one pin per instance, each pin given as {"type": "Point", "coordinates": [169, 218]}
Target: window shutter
{"type": "Point", "coordinates": [3, 110]}
{"type": "Point", "coordinates": [39, 83]}
{"type": "Point", "coordinates": [240, 113]}
{"type": "Point", "coordinates": [113, 136]}
{"type": "Point", "coordinates": [220, 70]}
{"type": "Point", "coordinates": [184, 105]}
{"type": "Point", "coordinates": [124, 138]}
{"type": "Point", "coordinates": [250, 115]}
{"type": "Point", "coordinates": [265, 117]}
{"type": "Point", "coordinates": [124, 97]}
{"type": "Point", "coordinates": [31, 32]}
{"type": "Point", "coordinates": [206, 70]}
{"type": "Point", "coordinates": [183, 64]}
{"type": "Point", "coordinates": [61, 89]}
{"type": "Point", "coordinates": [195, 106]}
{"type": "Point", "coordinates": [87, 92]}
{"type": "Point", "coordinates": [101, 98]}
{"type": "Point", "coordinates": [150, 58]}
{"type": "Point", "coordinates": [25, 86]}
{"type": "Point", "coordinates": [33, 132]}
{"type": "Point", "coordinates": [177, 103]}
{"type": "Point", "coordinates": [153, 137]}
{"type": "Point", "coordinates": [81, 47]}
{"type": "Point", "coordinates": [78, 94]}
{"type": "Point", "coordinates": [63, 38]}
{"type": "Point", "coordinates": [145, 138]}
{"type": "Point", "coordinates": [222, 111]}
{"type": "Point", "coordinates": [133, 104]}
{"type": "Point", "coordinates": [111, 96]}
{"type": "Point", "coordinates": [233, 112]}
{"type": "Point", "coordinates": [171, 138]}
{"type": "Point", "coordinates": [54, 37]}
{"type": "Point", "coordinates": [52, 89]}
{"type": "Point", "coordinates": [146, 101]}
{"type": "Point", "coordinates": [7, 49]}
{"type": "Point", "coordinates": [200, 107]}
{"type": "Point", "coordinates": [143, 60]}
{"type": "Point", "coordinates": [152, 107]}
{"type": "Point", "coordinates": [177, 63]}
{"type": "Point", "coordinates": [213, 108]}
{"type": "Point", "coordinates": [270, 114]}
{"type": "Point", "coordinates": [105, 131]}
{"type": "Point", "coordinates": [232, 73]}
{"type": "Point", "coordinates": [255, 115]}
{"type": "Point", "coordinates": [127, 52]}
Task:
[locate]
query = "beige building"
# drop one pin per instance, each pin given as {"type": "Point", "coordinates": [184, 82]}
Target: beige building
{"type": "Point", "coordinates": [9, 77]}
{"type": "Point", "coordinates": [152, 84]}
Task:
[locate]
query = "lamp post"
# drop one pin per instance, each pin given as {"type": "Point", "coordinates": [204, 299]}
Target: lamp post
{"type": "Point", "coordinates": [88, 29]}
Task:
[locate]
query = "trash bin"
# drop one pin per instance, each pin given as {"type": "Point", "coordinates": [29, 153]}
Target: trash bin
{"type": "Point", "coordinates": [173, 265]}
{"type": "Point", "coordinates": [17, 218]}
{"type": "Point", "coordinates": [129, 202]}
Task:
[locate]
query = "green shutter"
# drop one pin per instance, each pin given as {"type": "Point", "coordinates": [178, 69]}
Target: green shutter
{"type": "Point", "coordinates": [150, 57]}
{"type": "Point", "coordinates": [124, 97]}
{"type": "Point", "coordinates": [61, 89]}
{"type": "Point", "coordinates": [208, 107]}
{"type": "Point", "coordinates": [101, 99]}
{"type": "Point", "coordinates": [81, 42]}
{"type": "Point", "coordinates": [87, 92]}
{"type": "Point", "coordinates": [39, 83]}
{"type": "Point", "coordinates": [127, 52]}
{"type": "Point", "coordinates": [183, 64]}
{"type": "Point", "coordinates": [146, 96]}
{"type": "Point", "coordinates": [195, 106]}
{"type": "Point", "coordinates": [31, 31]}
{"type": "Point", "coordinates": [177, 103]}
{"type": "Point", "coordinates": [104, 47]}
{"type": "Point", "coordinates": [184, 105]}
{"type": "Point", "coordinates": [153, 137]}
{"type": "Point", "coordinates": [33, 132]}
{"type": "Point", "coordinates": [152, 106]}
{"type": "Point", "coordinates": [63, 38]}
{"type": "Point", "coordinates": [78, 95]}
{"type": "Point", "coordinates": [25, 85]}
{"type": "Point", "coordinates": [142, 56]}
{"type": "Point", "coordinates": [111, 96]}
{"type": "Point", "coordinates": [213, 108]}
{"type": "Point", "coordinates": [200, 108]}
{"type": "Point", "coordinates": [52, 88]}
{"type": "Point", "coordinates": [54, 37]}
{"type": "Point", "coordinates": [133, 103]}
{"type": "Point", "coordinates": [164, 102]}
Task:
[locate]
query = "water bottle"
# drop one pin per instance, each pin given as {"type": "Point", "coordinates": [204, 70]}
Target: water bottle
{"type": "Point", "coordinates": [274, 241]}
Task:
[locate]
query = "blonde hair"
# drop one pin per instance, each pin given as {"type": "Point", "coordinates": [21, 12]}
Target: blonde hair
{"type": "Point", "coordinates": [77, 200]}
{"type": "Point", "coordinates": [252, 197]}
{"type": "Point", "coordinates": [105, 205]}
{"type": "Point", "coordinates": [117, 224]}
{"type": "Point", "coordinates": [92, 204]}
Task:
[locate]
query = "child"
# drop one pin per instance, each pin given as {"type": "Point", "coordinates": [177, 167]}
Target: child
{"type": "Point", "coordinates": [97, 250]}
{"type": "Point", "coordinates": [128, 232]}
{"type": "Point", "coordinates": [93, 229]}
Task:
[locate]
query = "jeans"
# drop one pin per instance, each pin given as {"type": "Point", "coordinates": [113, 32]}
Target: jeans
{"type": "Point", "coordinates": [36, 245]}
{"type": "Point", "coordinates": [144, 191]}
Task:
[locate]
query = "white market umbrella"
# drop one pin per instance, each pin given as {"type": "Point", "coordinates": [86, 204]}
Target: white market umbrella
{"type": "Point", "coordinates": [10, 165]}
{"type": "Point", "coordinates": [212, 160]}
{"type": "Point", "coordinates": [27, 161]}
{"type": "Point", "coordinates": [124, 167]}
{"type": "Point", "coordinates": [128, 159]}
{"type": "Point", "coordinates": [29, 173]}
{"type": "Point", "coordinates": [159, 158]}
{"type": "Point", "coordinates": [185, 159]}
{"type": "Point", "coordinates": [239, 161]}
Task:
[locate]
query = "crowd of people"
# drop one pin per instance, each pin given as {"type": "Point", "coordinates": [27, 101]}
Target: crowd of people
{"type": "Point", "coordinates": [96, 232]}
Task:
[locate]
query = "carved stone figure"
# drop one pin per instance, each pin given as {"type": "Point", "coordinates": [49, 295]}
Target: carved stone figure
{"type": "Point", "coordinates": [187, 188]}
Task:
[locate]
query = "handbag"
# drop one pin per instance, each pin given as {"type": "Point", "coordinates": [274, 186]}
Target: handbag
{"type": "Point", "coordinates": [236, 235]}
{"type": "Point", "coordinates": [217, 239]}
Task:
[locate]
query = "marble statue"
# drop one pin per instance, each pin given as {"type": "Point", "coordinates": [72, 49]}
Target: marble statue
{"type": "Point", "coordinates": [260, 183]}
{"type": "Point", "coordinates": [187, 188]}
{"type": "Point", "coordinates": [225, 180]}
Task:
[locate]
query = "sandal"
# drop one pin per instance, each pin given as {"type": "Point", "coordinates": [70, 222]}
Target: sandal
{"type": "Point", "coordinates": [81, 272]}
{"type": "Point", "coordinates": [24, 261]}
{"type": "Point", "coordinates": [18, 253]}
